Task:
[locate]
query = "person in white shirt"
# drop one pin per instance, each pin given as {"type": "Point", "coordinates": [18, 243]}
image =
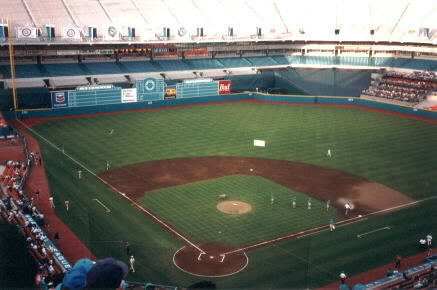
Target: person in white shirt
{"type": "Point", "coordinates": [131, 263]}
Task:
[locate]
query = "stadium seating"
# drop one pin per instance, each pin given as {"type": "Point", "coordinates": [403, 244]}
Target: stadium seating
{"type": "Point", "coordinates": [64, 69]}
{"type": "Point", "coordinates": [234, 62]}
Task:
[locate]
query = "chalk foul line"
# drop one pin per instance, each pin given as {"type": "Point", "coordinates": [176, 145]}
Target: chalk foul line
{"type": "Point", "coordinates": [374, 231]}
{"type": "Point", "coordinates": [134, 203]}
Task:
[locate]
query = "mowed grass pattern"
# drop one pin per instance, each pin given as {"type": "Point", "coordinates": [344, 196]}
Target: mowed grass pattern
{"type": "Point", "coordinates": [394, 151]}
{"type": "Point", "coordinates": [191, 209]}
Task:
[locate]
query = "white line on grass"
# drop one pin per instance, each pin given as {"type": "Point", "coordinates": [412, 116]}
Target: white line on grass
{"type": "Point", "coordinates": [138, 206]}
{"type": "Point", "coordinates": [341, 223]}
{"type": "Point", "coordinates": [101, 203]}
{"type": "Point", "coordinates": [374, 231]}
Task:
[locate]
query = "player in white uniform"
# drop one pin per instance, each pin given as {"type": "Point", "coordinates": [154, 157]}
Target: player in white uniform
{"type": "Point", "coordinates": [131, 263]}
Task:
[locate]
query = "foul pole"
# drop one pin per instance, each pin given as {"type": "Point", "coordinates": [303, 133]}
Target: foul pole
{"type": "Point", "coordinates": [12, 64]}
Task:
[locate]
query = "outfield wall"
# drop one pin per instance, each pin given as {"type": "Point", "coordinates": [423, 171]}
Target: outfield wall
{"type": "Point", "coordinates": [219, 98]}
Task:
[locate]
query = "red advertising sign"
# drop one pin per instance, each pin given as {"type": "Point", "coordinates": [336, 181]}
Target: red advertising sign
{"type": "Point", "coordinates": [224, 87]}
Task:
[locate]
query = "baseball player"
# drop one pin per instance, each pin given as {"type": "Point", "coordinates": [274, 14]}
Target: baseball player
{"type": "Point", "coordinates": [67, 204]}
{"type": "Point", "coordinates": [328, 154]}
{"type": "Point", "coordinates": [79, 174]}
{"type": "Point", "coordinates": [309, 203]}
{"type": "Point", "coordinates": [294, 202]}
{"type": "Point", "coordinates": [347, 207]}
{"type": "Point", "coordinates": [272, 199]}
{"type": "Point", "coordinates": [342, 277]}
{"type": "Point", "coordinates": [328, 204]}
{"type": "Point", "coordinates": [429, 240]}
{"type": "Point", "coordinates": [131, 263]}
{"type": "Point", "coordinates": [111, 131]}
{"type": "Point", "coordinates": [52, 204]}
{"type": "Point", "coordinates": [331, 224]}
{"type": "Point", "coordinates": [107, 165]}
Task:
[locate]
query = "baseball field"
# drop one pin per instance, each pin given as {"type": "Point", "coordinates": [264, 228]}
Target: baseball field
{"type": "Point", "coordinates": [196, 200]}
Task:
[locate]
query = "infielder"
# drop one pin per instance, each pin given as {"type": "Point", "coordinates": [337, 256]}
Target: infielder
{"type": "Point", "coordinates": [347, 206]}
{"type": "Point", "coordinates": [107, 165]}
{"type": "Point", "coordinates": [67, 204]}
{"type": "Point", "coordinates": [131, 263]}
{"type": "Point", "coordinates": [79, 174]}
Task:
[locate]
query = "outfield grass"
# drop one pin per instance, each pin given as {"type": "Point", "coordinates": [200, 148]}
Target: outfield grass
{"type": "Point", "coordinates": [396, 152]}
{"type": "Point", "coordinates": [191, 209]}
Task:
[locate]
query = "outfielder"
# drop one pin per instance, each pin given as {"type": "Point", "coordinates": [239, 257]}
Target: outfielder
{"type": "Point", "coordinates": [309, 203]}
{"type": "Point", "coordinates": [294, 202]}
{"type": "Point", "coordinates": [67, 204]}
{"type": "Point", "coordinates": [328, 204]}
{"type": "Point", "coordinates": [272, 199]}
{"type": "Point", "coordinates": [328, 153]}
{"type": "Point", "coordinates": [79, 174]}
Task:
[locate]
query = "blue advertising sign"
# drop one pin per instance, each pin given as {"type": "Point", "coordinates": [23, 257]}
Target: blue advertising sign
{"type": "Point", "coordinates": [59, 99]}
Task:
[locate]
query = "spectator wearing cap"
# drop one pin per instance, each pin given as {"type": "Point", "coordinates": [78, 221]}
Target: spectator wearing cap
{"type": "Point", "coordinates": [107, 273]}
{"type": "Point", "coordinates": [76, 277]}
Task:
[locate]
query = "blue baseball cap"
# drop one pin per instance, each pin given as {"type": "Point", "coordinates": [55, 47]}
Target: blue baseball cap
{"type": "Point", "coordinates": [76, 277]}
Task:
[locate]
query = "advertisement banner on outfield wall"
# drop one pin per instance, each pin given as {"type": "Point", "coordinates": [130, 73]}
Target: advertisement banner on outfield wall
{"type": "Point", "coordinates": [59, 99]}
{"type": "Point", "coordinates": [129, 95]}
{"type": "Point", "coordinates": [224, 87]}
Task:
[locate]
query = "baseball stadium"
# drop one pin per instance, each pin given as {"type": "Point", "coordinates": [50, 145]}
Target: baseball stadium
{"type": "Point", "coordinates": [218, 144]}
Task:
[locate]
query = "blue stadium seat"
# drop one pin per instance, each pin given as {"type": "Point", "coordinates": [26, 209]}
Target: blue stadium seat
{"type": "Point", "coordinates": [64, 69]}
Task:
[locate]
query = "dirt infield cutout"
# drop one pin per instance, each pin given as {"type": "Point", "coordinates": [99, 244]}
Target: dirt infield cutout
{"type": "Point", "coordinates": [234, 207]}
{"type": "Point", "coordinates": [211, 263]}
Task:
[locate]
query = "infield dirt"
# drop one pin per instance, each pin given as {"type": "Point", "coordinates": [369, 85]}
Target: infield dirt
{"type": "Point", "coordinates": [317, 182]}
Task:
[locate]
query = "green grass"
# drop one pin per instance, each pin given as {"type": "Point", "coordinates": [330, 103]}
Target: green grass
{"type": "Point", "coordinates": [191, 209]}
{"type": "Point", "coordinates": [399, 153]}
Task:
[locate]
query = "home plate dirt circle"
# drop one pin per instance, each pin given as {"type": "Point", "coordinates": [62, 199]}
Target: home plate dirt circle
{"type": "Point", "coordinates": [234, 207]}
{"type": "Point", "coordinates": [212, 263]}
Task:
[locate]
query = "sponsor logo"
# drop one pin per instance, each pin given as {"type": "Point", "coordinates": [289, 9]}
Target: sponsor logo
{"type": "Point", "coordinates": [71, 33]}
{"type": "Point", "coordinates": [149, 85]}
{"type": "Point", "coordinates": [59, 97]}
{"type": "Point", "coordinates": [224, 87]}
{"type": "Point", "coordinates": [112, 31]}
{"type": "Point", "coordinates": [26, 32]}
{"type": "Point", "coordinates": [182, 31]}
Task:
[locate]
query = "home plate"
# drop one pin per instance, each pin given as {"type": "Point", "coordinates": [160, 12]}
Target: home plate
{"type": "Point", "coordinates": [211, 257]}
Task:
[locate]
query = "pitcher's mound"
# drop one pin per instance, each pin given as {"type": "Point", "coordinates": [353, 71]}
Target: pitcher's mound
{"type": "Point", "coordinates": [234, 207]}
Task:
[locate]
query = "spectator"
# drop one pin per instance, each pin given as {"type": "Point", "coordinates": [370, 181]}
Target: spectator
{"type": "Point", "coordinates": [76, 277]}
{"type": "Point", "coordinates": [107, 273]}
